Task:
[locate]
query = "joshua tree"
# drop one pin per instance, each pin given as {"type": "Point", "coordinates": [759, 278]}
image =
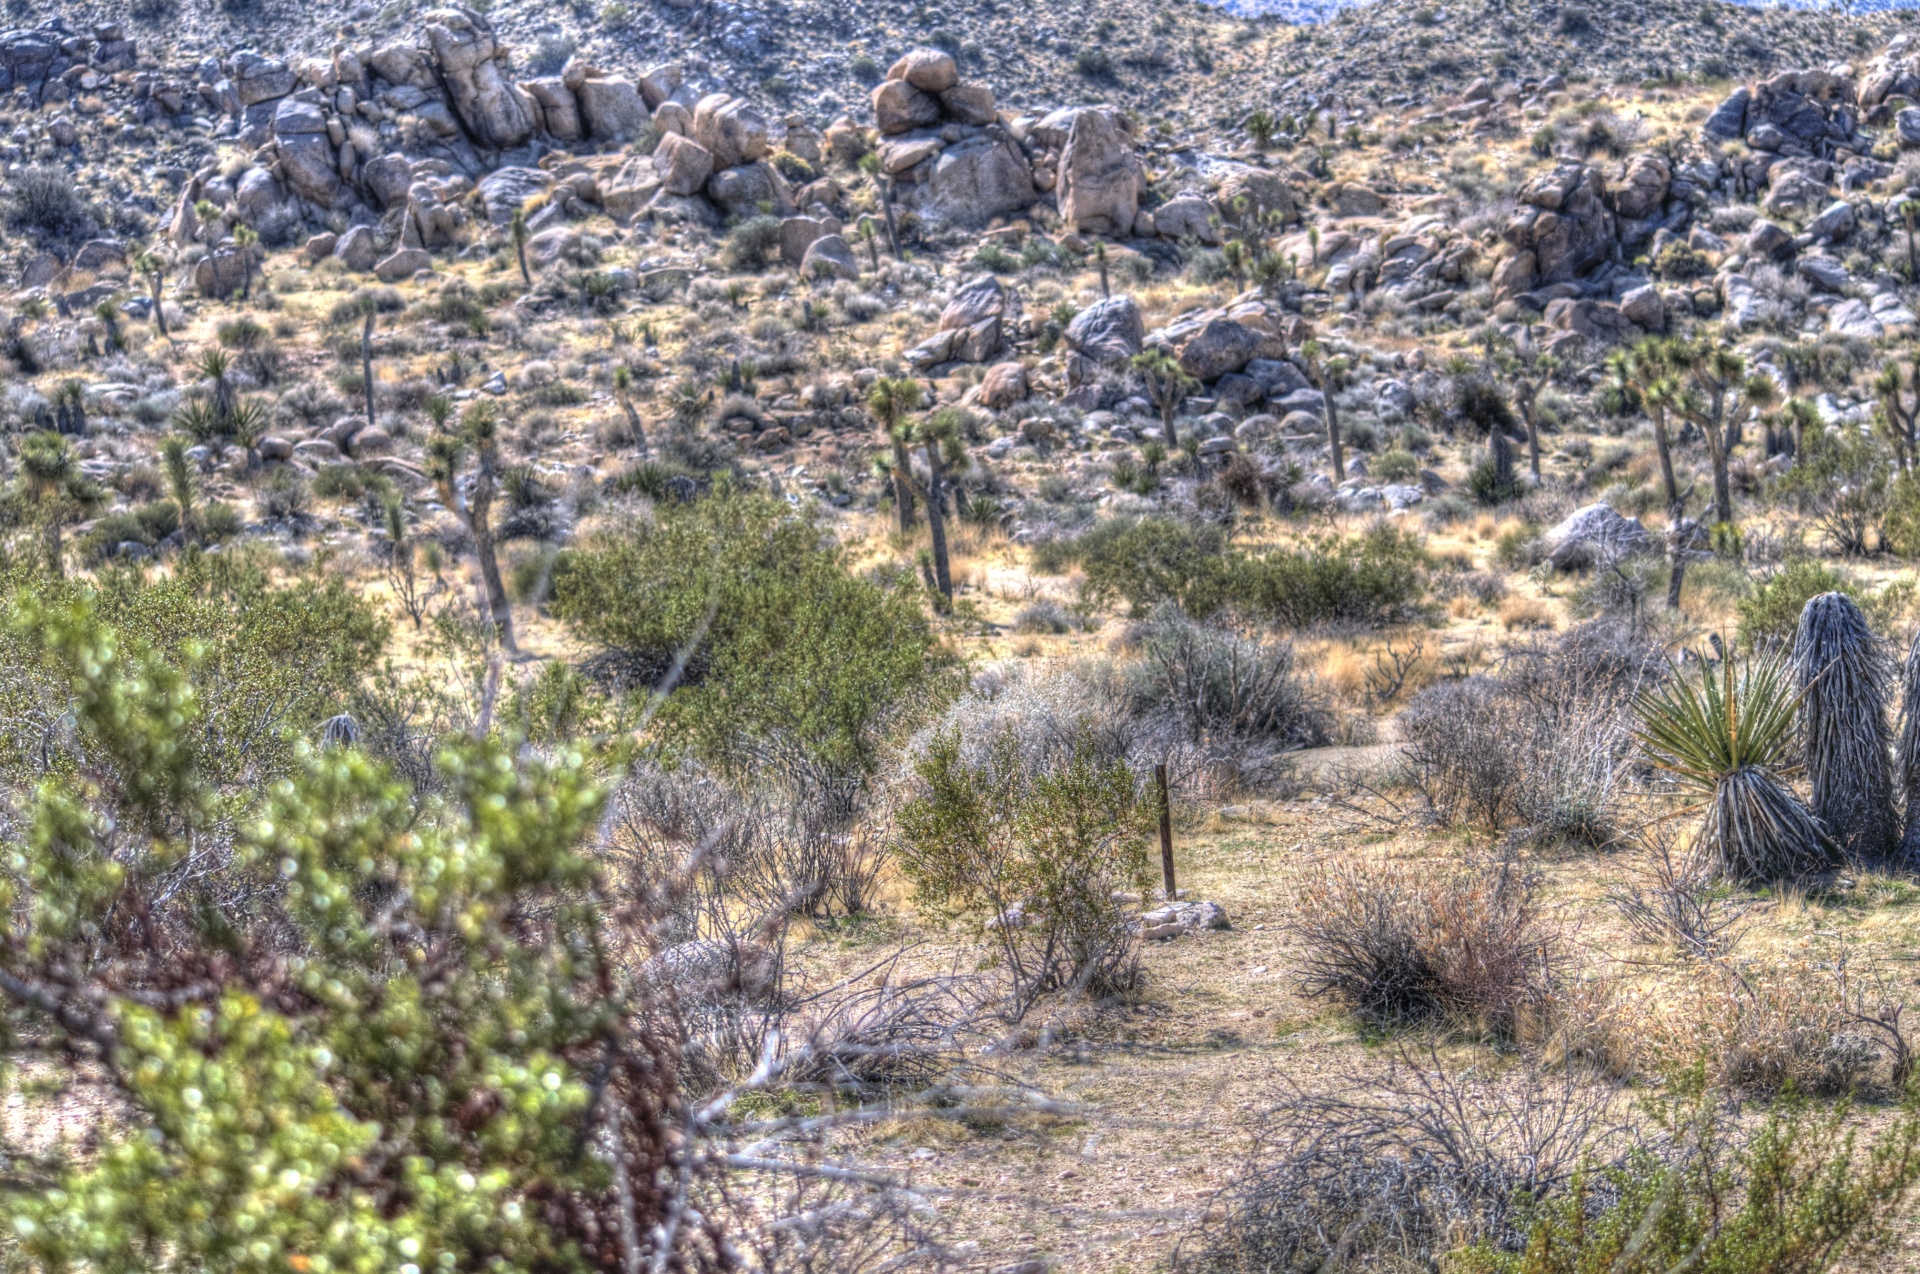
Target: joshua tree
{"type": "Point", "coordinates": [1716, 393]}
{"type": "Point", "coordinates": [109, 317]}
{"type": "Point", "coordinates": [623, 394]}
{"type": "Point", "coordinates": [1909, 212]}
{"type": "Point", "coordinates": [154, 270]}
{"type": "Point", "coordinates": [1261, 127]}
{"type": "Point", "coordinates": [213, 368]}
{"type": "Point", "coordinates": [1723, 732]}
{"type": "Point", "coordinates": [1329, 374]}
{"type": "Point", "coordinates": [478, 435]}
{"type": "Point", "coordinates": [1843, 719]}
{"type": "Point", "coordinates": [56, 490]}
{"type": "Point", "coordinates": [1100, 262]}
{"type": "Point", "coordinates": [941, 437]}
{"type": "Point", "coordinates": [400, 560]}
{"type": "Point", "coordinates": [244, 239]}
{"type": "Point", "coordinates": [1529, 374]}
{"type": "Point", "coordinates": [519, 232]}
{"type": "Point", "coordinates": [870, 237]}
{"type": "Point", "coordinates": [1168, 385]}
{"type": "Point", "coordinates": [890, 401]}
{"type": "Point", "coordinates": [1900, 407]}
{"type": "Point", "coordinates": [1640, 374]}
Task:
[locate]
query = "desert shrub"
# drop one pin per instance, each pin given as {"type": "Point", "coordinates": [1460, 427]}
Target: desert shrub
{"type": "Point", "coordinates": [1393, 1171]}
{"type": "Point", "coordinates": [1034, 853]}
{"type": "Point", "coordinates": [1796, 1195]}
{"type": "Point", "coordinates": [1225, 688]}
{"type": "Point", "coordinates": [1679, 263]}
{"type": "Point", "coordinates": [416, 1062]}
{"type": "Point", "coordinates": [1771, 612]}
{"type": "Point", "coordinates": [1544, 745]}
{"type": "Point", "coordinates": [1046, 616]}
{"type": "Point", "coordinates": [1375, 578]}
{"type": "Point", "coordinates": [47, 201]}
{"type": "Point", "coordinates": [1844, 482]}
{"type": "Point", "coordinates": [785, 662]}
{"type": "Point", "coordinates": [1396, 465]}
{"type": "Point", "coordinates": [1465, 943]}
{"type": "Point", "coordinates": [550, 52]}
{"type": "Point", "coordinates": [753, 244]}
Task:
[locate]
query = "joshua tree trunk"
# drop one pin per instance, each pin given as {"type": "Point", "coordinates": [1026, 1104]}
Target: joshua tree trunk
{"type": "Point", "coordinates": [1679, 530]}
{"type": "Point", "coordinates": [1722, 482]}
{"type": "Point", "coordinates": [1169, 408]}
{"type": "Point", "coordinates": [633, 423]}
{"type": "Point", "coordinates": [903, 486]}
{"type": "Point", "coordinates": [1334, 447]}
{"type": "Point", "coordinates": [1664, 449]}
{"type": "Point", "coordinates": [1500, 454]}
{"type": "Point", "coordinates": [886, 205]}
{"type": "Point", "coordinates": [159, 308]}
{"type": "Point", "coordinates": [937, 522]}
{"type": "Point", "coordinates": [480, 523]}
{"type": "Point", "coordinates": [50, 544]}
{"type": "Point", "coordinates": [366, 365]}
{"type": "Point", "coordinates": [1525, 396]}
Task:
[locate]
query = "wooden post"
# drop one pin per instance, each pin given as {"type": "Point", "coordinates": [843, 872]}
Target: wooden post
{"type": "Point", "coordinates": [1166, 829]}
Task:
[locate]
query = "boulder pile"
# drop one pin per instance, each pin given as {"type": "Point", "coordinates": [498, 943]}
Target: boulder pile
{"type": "Point", "coordinates": [942, 143]}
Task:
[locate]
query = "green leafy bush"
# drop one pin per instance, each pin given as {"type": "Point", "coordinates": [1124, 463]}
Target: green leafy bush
{"type": "Point", "coordinates": [1769, 614]}
{"type": "Point", "coordinates": [754, 244]}
{"type": "Point", "coordinates": [1034, 850]}
{"type": "Point", "coordinates": [789, 664]}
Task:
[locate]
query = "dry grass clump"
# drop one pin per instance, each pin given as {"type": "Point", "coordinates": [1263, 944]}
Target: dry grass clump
{"type": "Point", "coordinates": [1467, 943]}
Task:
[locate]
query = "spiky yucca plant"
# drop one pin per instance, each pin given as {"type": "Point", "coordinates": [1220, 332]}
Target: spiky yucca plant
{"type": "Point", "coordinates": [1843, 714]}
{"type": "Point", "coordinates": [1725, 732]}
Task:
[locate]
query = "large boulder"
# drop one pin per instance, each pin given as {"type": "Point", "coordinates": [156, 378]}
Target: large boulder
{"type": "Point", "coordinates": [973, 181]}
{"type": "Point", "coordinates": [749, 188]}
{"type": "Point", "coordinates": [1564, 222]}
{"type": "Point", "coordinates": [974, 326]}
{"type": "Point", "coordinates": [220, 273]}
{"type": "Point", "coordinates": [830, 256]}
{"type": "Point", "coordinates": [357, 249]}
{"type": "Point", "coordinates": [1595, 536]}
{"type": "Point", "coordinates": [505, 191]}
{"type": "Point", "coordinates": [1100, 177]}
{"type": "Point", "coordinates": [899, 107]}
{"type": "Point", "coordinates": [731, 130]}
{"type": "Point", "coordinates": [612, 110]}
{"type": "Point", "coordinates": [1729, 119]}
{"type": "Point", "coordinates": [1642, 189]}
{"type": "Point", "coordinates": [258, 198]}
{"type": "Point", "coordinates": [1245, 191]}
{"type": "Point", "coordinates": [558, 108]}
{"type": "Point", "coordinates": [311, 167]}
{"type": "Point", "coordinates": [403, 264]}
{"type": "Point", "coordinates": [476, 73]}
{"type": "Point", "coordinates": [929, 70]}
{"type": "Point", "coordinates": [682, 164]}
{"type": "Point", "coordinates": [969, 104]}
{"type": "Point", "coordinates": [1221, 345]}
{"type": "Point", "coordinates": [258, 78]}
{"type": "Point", "coordinates": [1107, 332]}
{"type": "Point", "coordinates": [1187, 216]}
{"type": "Point", "coordinates": [388, 178]}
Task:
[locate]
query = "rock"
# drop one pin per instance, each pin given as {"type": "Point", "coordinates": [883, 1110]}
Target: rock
{"type": "Point", "coordinates": [1220, 346]}
{"type": "Point", "coordinates": [611, 110]}
{"type": "Point", "coordinates": [257, 78]}
{"type": "Point", "coordinates": [1588, 319]}
{"type": "Point", "coordinates": [1100, 177]}
{"type": "Point", "coordinates": [1237, 390]}
{"type": "Point", "coordinates": [1595, 536]}
{"type": "Point", "coordinates": [505, 191]}
{"type": "Point", "coordinates": [556, 243]}
{"type": "Point", "coordinates": [673, 117]}
{"type": "Point", "coordinates": [1834, 222]}
{"type": "Point", "coordinates": [220, 273]}
{"type": "Point", "coordinates": [311, 167]}
{"type": "Point", "coordinates": [969, 104]}
{"type": "Point", "coordinates": [258, 198]}
{"type": "Point", "coordinates": [974, 181]}
{"type": "Point", "coordinates": [1564, 222]}
{"type": "Point", "coordinates": [1244, 191]}
{"type": "Point", "coordinates": [830, 256]}
{"type": "Point", "coordinates": [1643, 187]}
{"type": "Point", "coordinates": [403, 264]}
{"type": "Point", "coordinates": [929, 70]}
{"type": "Point", "coordinates": [1107, 333]}
{"type": "Point", "coordinates": [1768, 239]}
{"type": "Point", "coordinates": [357, 249]}
{"type": "Point", "coordinates": [1729, 119]}
{"type": "Point", "coordinates": [899, 107]}
{"type": "Point", "coordinates": [1178, 918]}
{"type": "Point", "coordinates": [798, 233]}
{"type": "Point", "coordinates": [559, 109]}
{"type": "Point", "coordinates": [657, 84]}
{"type": "Point", "coordinates": [1853, 318]}
{"type": "Point", "coordinates": [388, 177]}
{"type": "Point", "coordinates": [1357, 201]}
{"type": "Point", "coordinates": [295, 118]}
{"type": "Point", "coordinates": [1187, 217]}
{"type": "Point", "coordinates": [748, 188]}
{"type": "Point", "coordinates": [1005, 385]}
{"type": "Point", "coordinates": [1824, 272]}
{"type": "Point", "coordinates": [474, 69]}
{"type": "Point", "coordinates": [731, 129]}
{"type": "Point", "coordinates": [1515, 274]}
{"type": "Point", "coordinates": [898, 154]}
{"type": "Point", "coordinates": [683, 164]}
{"type": "Point", "coordinates": [274, 447]}
{"type": "Point", "coordinates": [663, 284]}
{"type": "Point", "coordinates": [1644, 307]}
{"type": "Point", "coordinates": [1890, 313]}
{"type": "Point", "coordinates": [982, 311]}
{"type": "Point", "coordinates": [320, 246]}
{"type": "Point", "coordinates": [373, 441]}
{"type": "Point", "coordinates": [1907, 124]}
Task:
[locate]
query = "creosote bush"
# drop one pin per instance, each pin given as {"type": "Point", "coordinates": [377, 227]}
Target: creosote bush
{"type": "Point", "coordinates": [1466, 943]}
